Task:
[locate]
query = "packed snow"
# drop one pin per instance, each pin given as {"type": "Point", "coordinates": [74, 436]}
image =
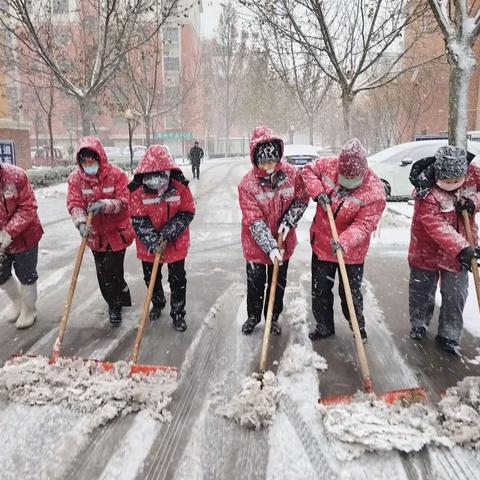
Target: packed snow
{"type": "Point", "coordinates": [86, 388]}
{"type": "Point", "coordinates": [255, 405]}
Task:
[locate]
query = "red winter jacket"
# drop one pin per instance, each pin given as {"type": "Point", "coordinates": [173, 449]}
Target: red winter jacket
{"type": "Point", "coordinates": [437, 231]}
{"type": "Point", "coordinates": [357, 212]}
{"type": "Point", "coordinates": [18, 209]}
{"type": "Point", "coordinates": [112, 226]}
{"type": "Point", "coordinates": [165, 212]}
{"type": "Point", "coordinates": [261, 200]}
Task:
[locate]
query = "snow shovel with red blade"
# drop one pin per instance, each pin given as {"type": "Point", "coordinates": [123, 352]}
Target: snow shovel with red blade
{"type": "Point", "coordinates": [134, 368]}
{"type": "Point", "coordinates": [474, 264]}
{"type": "Point", "coordinates": [268, 320]}
{"type": "Point", "coordinates": [408, 395]}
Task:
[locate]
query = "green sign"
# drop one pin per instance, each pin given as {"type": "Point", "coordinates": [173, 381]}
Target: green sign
{"type": "Point", "coordinates": [173, 135]}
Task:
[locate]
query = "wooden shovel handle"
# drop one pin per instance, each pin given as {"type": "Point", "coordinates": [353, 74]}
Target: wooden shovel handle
{"type": "Point", "coordinates": [474, 264]}
{"type": "Point", "coordinates": [362, 358]}
{"type": "Point", "coordinates": [146, 306]}
{"type": "Point", "coordinates": [68, 302]}
{"type": "Point", "coordinates": [271, 301]}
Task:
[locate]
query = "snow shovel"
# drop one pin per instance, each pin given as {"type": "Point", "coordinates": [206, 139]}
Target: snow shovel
{"type": "Point", "coordinates": [406, 396]}
{"type": "Point", "coordinates": [268, 320]}
{"type": "Point", "coordinates": [471, 241]}
{"type": "Point", "coordinates": [68, 303]}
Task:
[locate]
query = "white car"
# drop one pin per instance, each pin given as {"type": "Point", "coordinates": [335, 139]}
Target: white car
{"type": "Point", "coordinates": [138, 151]}
{"type": "Point", "coordinates": [299, 155]}
{"type": "Point", "coordinates": [393, 164]}
{"type": "Point", "coordinates": [113, 152]}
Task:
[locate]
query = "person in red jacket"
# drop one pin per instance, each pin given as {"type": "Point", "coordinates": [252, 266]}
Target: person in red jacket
{"type": "Point", "coordinates": [20, 232]}
{"type": "Point", "coordinates": [272, 199]}
{"type": "Point", "coordinates": [101, 188]}
{"type": "Point", "coordinates": [438, 246]}
{"type": "Point", "coordinates": [162, 208]}
{"type": "Point", "coordinates": [357, 198]}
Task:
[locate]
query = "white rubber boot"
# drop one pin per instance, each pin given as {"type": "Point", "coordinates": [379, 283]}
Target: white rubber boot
{"type": "Point", "coordinates": [29, 309]}
{"type": "Point", "coordinates": [12, 288]}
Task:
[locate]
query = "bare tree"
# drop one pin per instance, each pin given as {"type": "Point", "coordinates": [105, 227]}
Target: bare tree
{"type": "Point", "coordinates": [305, 82]}
{"type": "Point", "coordinates": [229, 60]}
{"type": "Point", "coordinates": [459, 23]}
{"type": "Point", "coordinates": [357, 44]}
{"type": "Point", "coordinates": [83, 48]}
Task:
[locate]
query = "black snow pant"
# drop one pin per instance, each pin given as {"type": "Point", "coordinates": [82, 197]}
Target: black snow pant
{"type": "Point", "coordinates": [177, 278]}
{"type": "Point", "coordinates": [111, 278]}
{"type": "Point", "coordinates": [257, 300]}
{"type": "Point", "coordinates": [323, 279]}
{"type": "Point", "coordinates": [25, 265]}
{"type": "Point", "coordinates": [196, 170]}
{"type": "Point", "coordinates": [454, 290]}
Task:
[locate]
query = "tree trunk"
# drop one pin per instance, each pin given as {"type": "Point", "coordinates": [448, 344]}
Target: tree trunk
{"type": "Point", "coordinates": [347, 101]}
{"type": "Point", "coordinates": [85, 105]}
{"type": "Point", "coordinates": [458, 101]}
{"type": "Point", "coordinates": [50, 136]}
{"type": "Point", "coordinates": [227, 120]}
{"type": "Point", "coordinates": [148, 140]}
{"type": "Point", "coordinates": [130, 139]}
{"type": "Point", "coordinates": [310, 128]}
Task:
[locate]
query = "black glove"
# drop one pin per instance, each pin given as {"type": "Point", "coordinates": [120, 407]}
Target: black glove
{"type": "Point", "coordinates": [467, 255]}
{"type": "Point", "coordinates": [323, 199]}
{"type": "Point", "coordinates": [158, 246]}
{"type": "Point", "coordinates": [464, 203]}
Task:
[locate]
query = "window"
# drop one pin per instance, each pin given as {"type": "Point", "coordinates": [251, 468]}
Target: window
{"type": "Point", "coordinates": [170, 35]}
{"type": "Point", "coordinates": [171, 63]}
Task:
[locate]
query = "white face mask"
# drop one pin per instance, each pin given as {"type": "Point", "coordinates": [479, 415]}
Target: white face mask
{"type": "Point", "coordinates": [349, 183]}
{"type": "Point", "coordinates": [270, 171]}
{"type": "Point", "coordinates": [450, 187]}
{"type": "Point", "coordinates": [157, 181]}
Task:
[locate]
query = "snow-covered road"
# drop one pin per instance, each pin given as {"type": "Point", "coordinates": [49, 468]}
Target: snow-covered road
{"type": "Point", "coordinates": [213, 356]}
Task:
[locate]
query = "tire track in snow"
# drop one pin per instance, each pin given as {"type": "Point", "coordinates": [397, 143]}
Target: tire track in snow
{"type": "Point", "coordinates": [191, 392]}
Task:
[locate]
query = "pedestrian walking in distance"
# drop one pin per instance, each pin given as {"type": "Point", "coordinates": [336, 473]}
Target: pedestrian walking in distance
{"type": "Point", "coordinates": [196, 155]}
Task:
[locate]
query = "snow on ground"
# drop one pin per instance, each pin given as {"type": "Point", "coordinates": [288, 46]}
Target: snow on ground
{"type": "Point", "coordinates": [54, 191]}
{"type": "Point", "coordinates": [254, 406]}
{"type": "Point", "coordinates": [84, 387]}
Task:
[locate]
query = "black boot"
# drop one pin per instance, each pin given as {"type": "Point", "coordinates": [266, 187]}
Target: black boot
{"type": "Point", "coordinates": [275, 328]}
{"type": "Point", "coordinates": [179, 323]}
{"type": "Point", "coordinates": [249, 326]}
{"type": "Point", "coordinates": [115, 314]}
{"type": "Point", "coordinates": [418, 333]}
{"type": "Point", "coordinates": [319, 334]}
{"type": "Point", "coordinates": [450, 346]}
{"type": "Point", "coordinates": [156, 311]}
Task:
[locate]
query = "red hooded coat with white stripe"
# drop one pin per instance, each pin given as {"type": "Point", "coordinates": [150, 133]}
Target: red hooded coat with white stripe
{"type": "Point", "coordinates": [18, 209]}
{"type": "Point", "coordinates": [112, 226]}
{"type": "Point", "coordinates": [356, 214]}
{"type": "Point", "coordinates": [437, 231]}
{"type": "Point", "coordinates": [161, 209]}
{"type": "Point", "coordinates": [263, 201]}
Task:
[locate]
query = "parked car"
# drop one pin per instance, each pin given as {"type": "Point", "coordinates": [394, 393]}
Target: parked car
{"type": "Point", "coordinates": [138, 151]}
{"type": "Point", "coordinates": [393, 164]}
{"type": "Point", "coordinates": [299, 155]}
{"type": "Point", "coordinates": [41, 156]}
{"type": "Point", "coordinates": [113, 152]}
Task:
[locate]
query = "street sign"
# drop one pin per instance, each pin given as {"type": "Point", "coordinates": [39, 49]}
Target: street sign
{"type": "Point", "coordinates": [173, 135]}
{"type": "Point", "coordinates": [7, 152]}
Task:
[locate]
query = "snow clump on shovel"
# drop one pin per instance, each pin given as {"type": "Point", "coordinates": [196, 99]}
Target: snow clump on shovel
{"type": "Point", "coordinates": [254, 406]}
{"type": "Point", "coordinates": [370, 424]}
{"type": "Point", "coordinates": [460, 412]}
{"type": "Point", "coordinates": [86, 388]}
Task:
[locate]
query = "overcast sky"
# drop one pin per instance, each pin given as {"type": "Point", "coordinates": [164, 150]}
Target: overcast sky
{"type": "Point", "coordinates": [211, 14]}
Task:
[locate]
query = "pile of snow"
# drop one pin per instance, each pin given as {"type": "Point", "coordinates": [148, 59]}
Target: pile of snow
{"type": "Point", "coordinates": [394, 220]}
{"type": "Point", "coordinates": [254, 406]}
{"type": "Point", "coordinates": [297, 357]}
{"type": "Point", "coordinates": [86, 388]}
{"type": "Point", "coordinates": [460, 409]}
{"type": "Point", "coordinates": [369, 424]}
